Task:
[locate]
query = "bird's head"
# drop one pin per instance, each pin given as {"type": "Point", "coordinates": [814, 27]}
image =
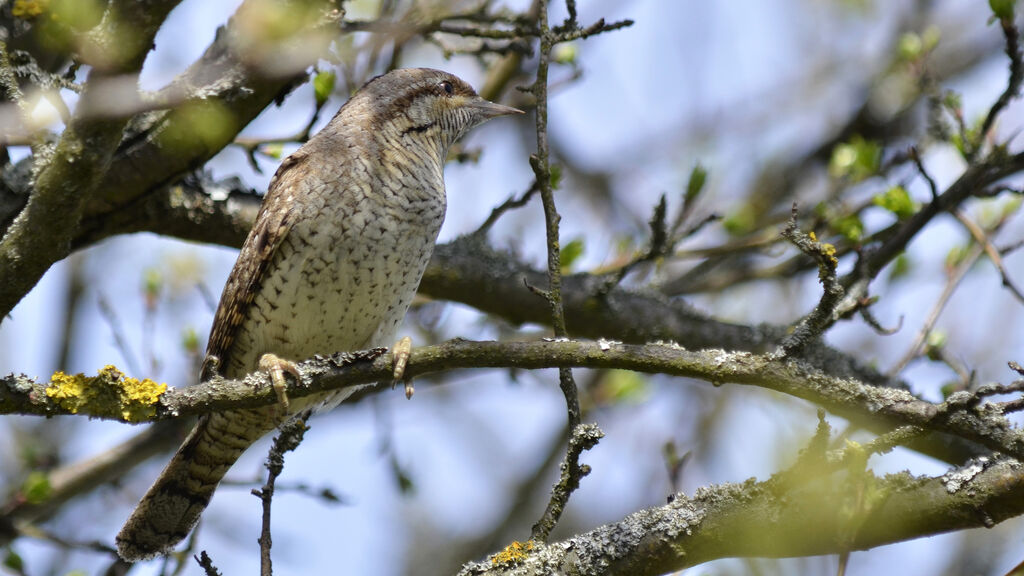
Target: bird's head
{"type": "Point", "coordinates": [426, 106]}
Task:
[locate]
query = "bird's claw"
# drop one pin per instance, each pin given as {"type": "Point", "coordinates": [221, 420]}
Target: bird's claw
{"type": "Point", "coordinates": [400, 352]}
{"type": "Point", "coordinates": [276, 367]}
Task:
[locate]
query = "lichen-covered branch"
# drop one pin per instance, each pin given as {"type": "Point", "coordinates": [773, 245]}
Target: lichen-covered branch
{"type": "Point", "coordinates": [824, 314]}
{"type": "Point", "coordinates": [962, 415]}
{"type": "Point", "coordinates": [583, 437]}
{"type": "Point", "coordinates": [787, 515]}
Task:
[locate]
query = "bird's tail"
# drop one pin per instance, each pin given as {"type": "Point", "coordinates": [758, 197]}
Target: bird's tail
{"type": "Point", "coordinates": [171, 508]}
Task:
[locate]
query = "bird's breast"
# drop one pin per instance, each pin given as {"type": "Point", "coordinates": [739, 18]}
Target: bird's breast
{"type": "Point", "coordinates": [343, 277]}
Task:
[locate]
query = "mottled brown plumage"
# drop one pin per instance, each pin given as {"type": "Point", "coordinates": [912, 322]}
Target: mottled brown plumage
{"type": "Point", "coordinates": [331, 264]}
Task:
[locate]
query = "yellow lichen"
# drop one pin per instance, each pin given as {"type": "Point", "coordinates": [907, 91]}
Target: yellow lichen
{"type": "Point", "coordinates": [830, 251]}
{"type": "Point", "coordinates": [28, 8]}
{"type": "Point", "coordinates": [514, 552]}
{"type": "Point", "coordinates": [108, 394]}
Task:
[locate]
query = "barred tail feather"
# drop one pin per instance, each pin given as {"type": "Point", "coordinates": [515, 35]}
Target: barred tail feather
{"type": "Point", "coordinates": [171, 508]}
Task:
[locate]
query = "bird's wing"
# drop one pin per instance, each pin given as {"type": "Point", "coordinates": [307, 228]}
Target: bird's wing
{"type": "Point", "coordinates": [272, 225]}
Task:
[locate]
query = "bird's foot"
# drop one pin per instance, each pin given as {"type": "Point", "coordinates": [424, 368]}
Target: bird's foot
{"type": "Point", "coordinates": [276, 367]}
{"type": "Point", "coordinates": [400, 352]}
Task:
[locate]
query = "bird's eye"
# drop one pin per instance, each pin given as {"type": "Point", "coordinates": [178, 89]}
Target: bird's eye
{"type": "Point", "coordinates": [447, 87]}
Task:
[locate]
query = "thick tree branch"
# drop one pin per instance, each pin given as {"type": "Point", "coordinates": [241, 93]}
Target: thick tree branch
{"type": "Point", "coordinates": [226, 83]}
{"type": "Point", "coordinates": [781, 517]}
{"type": "Point", "coordinates": [196, 208]}
{"type": "Point", "coordinates": [962, 414]}
{"type": "Point", "coordinates": [41, 234]}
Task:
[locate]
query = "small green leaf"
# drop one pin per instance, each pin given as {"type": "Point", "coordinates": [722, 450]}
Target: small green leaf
{"type": "Point", "coordinates": [857, 159]}
{"type": "Point", "coordinates": [571, 252]}
{"type": "Point", "coordinates": [556, 176]}
{"type": "Point", "coordinates": [955, 256]}
{"type": "Point", "coordinates": [1003, 9]}
{"type": "Point", "coordinates": [190, 341]}
{"type": "Point", "coordinates": [207, 123]}
{"type": "Point", "coordinates": [959, 144]}
{"type": "Point", "coordinates": [565, 53]}
{"type": "Point", "coordinates": [624, 386]}
{"type": "Point", "coordinates": [931, 37]}
{"type": "Point", "coordinates": [900, 267]}
{"type": "Point", "coordinates": [152, 282]}
{"type": "Point", "coordinates": [951, 99]}
{"type": "Point", "coordinates": [948, 388]}
{"type": "Point", "coordinates": [911, 46]}
{"type": "Point", "coordinates": [974, 130]}
{"type": "Point", "coordinates": [698, 177]}
{"type": "Point", "coordinates": [1011, 206]}
{"type": "Point", "coordinates": [273, 150]}
{"type": "Point", "coordinates": [36, 487]}
{"type": "Point", "coordinates": [896, 200]}
{"type": "Point", "coordinates": [935, 343]}
{"type": "Point", "coordinates": [850, 227]}
{"type": "Point", "coordinates": [323, 86]}
{"type": "Point", "coordinates": [13, 561]}
{"type": "Point", "coordinates": [740, 221]}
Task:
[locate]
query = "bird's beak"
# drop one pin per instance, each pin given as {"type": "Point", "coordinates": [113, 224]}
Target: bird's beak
{"type": "Point", "coordinates": [489, 110]}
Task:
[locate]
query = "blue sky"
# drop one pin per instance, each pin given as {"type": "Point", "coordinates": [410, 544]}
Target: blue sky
{"type": "Point", "coordinates": [729, 85]}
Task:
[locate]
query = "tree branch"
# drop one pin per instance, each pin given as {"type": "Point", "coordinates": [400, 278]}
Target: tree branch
{"type": "Point", "coordinates": [962, 414]}
{"type": "Point", "coordinates": [41, 234]}
{"type": "Point", "coordinates": [782, 517]}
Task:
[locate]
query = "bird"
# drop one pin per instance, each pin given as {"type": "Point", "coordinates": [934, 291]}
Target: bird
{"type": "Point", "coordinates": [333, 260]}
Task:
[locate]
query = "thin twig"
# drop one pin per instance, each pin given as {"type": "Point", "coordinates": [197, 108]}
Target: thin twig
{"type": "Point", "coordinates": [289, 439]}
{"type": "Point", "coordinates": [542, 169]}
{"type": "Point", "coordinates": [1013, 51]}
{"type": "Point", "coordinates": [875, 325]}
{"type": "Point", "coordinates": [584, 437]}
{"type": "Point", "coordinates": [760, 241]}
{"type": "Point", "coordinates": [932, 186]}
{"type": "Point", "coordinates": [253, 146]}
{"type": "Point", "coordinates": [823, 315]}
{"type": "Point", "coordinates": [659, 246]}
{"type": "Point", "coordinates": [982, 238]}
{"type": "Point", "coordinates": [895, 239]}
{"type": "Point", "coordinates": [206, 562]}
{"type": "Point", "coordinates": [954, 279]}
{"type": "Point", "coordinates": [326, 494]}
{"type": "Point", "coordinates": [509, 204]}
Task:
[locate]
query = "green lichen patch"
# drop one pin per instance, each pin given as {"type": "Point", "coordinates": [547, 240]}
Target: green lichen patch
{"type": "Point", "coordinates": [109, 394]}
